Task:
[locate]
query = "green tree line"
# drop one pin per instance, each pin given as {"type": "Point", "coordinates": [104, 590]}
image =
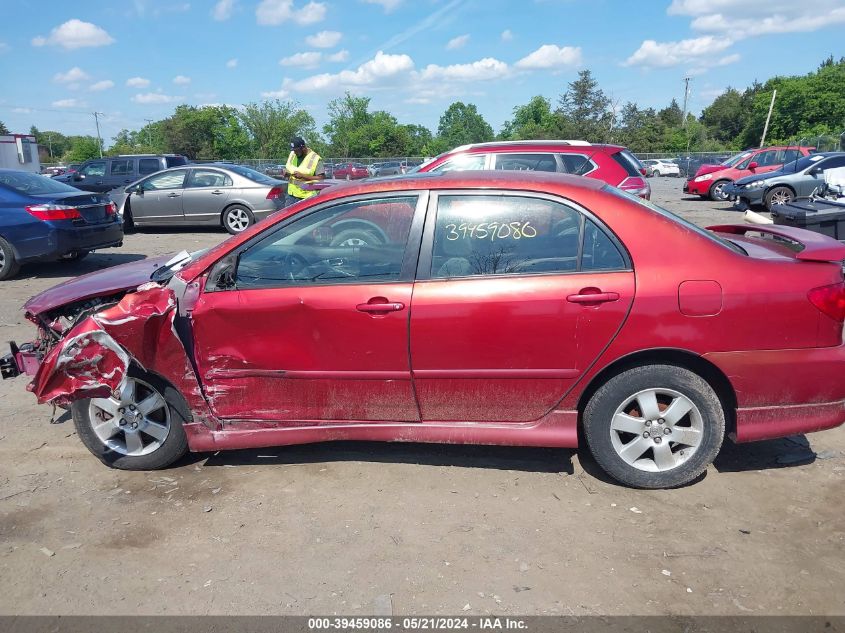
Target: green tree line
{"type": "Point", "coordinates": [807, 106]}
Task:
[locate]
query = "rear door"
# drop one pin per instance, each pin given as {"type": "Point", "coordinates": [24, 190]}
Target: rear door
{"type": "Point", "coordinates": [121, 172]}
{"type": "Point", "coordinates": [205, 195]}
{"type": "Point", "coordinates": [516, 296]}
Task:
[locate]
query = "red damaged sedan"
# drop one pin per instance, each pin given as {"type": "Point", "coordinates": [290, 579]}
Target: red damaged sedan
{"type": "Point", "coordinates": [481, 308]}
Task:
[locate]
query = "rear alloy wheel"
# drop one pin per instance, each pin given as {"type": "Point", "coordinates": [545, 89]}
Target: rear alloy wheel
{"type": "Point", "coordinates": [717, 190]}
{"type": "Point", "coordinates": [778, 195]}
{"type": "Point", "coordinates": [139, 427]}
{"type": "Point", "coordinates": [657, 426]}
{"type": "Point", "coordinates": [657, 173]}
{"type": "Point", "coordinates": [237, 219]}
{"type": "Point", "coordinates": [9, 265]}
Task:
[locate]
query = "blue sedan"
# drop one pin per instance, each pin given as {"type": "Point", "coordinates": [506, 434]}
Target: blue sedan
{"type": "Point", "coordinates": [42, 220]}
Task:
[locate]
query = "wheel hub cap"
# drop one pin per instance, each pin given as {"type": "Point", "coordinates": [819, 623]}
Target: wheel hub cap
{"type": "Point", "coordinates": [134, 421]}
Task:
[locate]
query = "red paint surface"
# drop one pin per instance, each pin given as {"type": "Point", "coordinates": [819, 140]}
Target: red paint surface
{"type": "Point", "coordinates": [501, 360]}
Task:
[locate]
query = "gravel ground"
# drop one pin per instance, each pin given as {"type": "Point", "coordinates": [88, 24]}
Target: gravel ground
{"type": "Point", "coordinates": [361, 528]}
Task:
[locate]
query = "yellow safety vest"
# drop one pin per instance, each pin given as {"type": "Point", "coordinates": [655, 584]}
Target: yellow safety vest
{"type": "Point", "coordinates": [308, 167]}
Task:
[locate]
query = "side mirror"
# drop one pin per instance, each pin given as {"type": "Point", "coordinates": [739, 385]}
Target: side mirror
{"type": "Point", "coordinates": [753, 165]}
{"type": "Point", "coordinates": [79, 177]}
{"type": "Point", "coordinates": [815, 171]}
{"type": "Point", "coordinates": [133, 189]}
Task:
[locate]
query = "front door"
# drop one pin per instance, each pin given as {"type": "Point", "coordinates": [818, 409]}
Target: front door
{"type": "Point", "coordinates": [312, 327]}
{"type": "Point", "coordinates": [205, 195]}
{"type": "Point", "coordinates": [91, 177]}
{"type": "Point", "coordinates": [159, 200]}
{"type": "Point", "coordinates": [516, 297]}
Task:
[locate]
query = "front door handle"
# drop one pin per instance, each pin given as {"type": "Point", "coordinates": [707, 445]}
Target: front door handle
{"type": "Point", "coordinates": [380, 306]}
{"type": "Point", "coordinates": [593, 296]}
{"type": "Point", "coordinates": [217, 192]}
{"type": "Point", "coordinates": [172, 195]}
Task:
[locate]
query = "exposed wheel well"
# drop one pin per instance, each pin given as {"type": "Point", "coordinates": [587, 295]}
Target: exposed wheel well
{"type": "Point", "coordinates": [704, 368]}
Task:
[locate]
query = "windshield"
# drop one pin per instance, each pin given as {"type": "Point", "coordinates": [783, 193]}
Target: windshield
{"type": "Point", "coordinates": [255, 176]}
{"type": "Point", "coordinates": [33, 184]}
{"type": "Point", "coordinates": [733, 160]}
{"type": "Point", "coordinates": [675, 218]}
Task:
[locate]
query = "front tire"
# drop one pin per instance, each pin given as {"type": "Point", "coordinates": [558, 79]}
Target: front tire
{"type": "Point", "coordinates": [9, 265]}
{"type": "Point", "coordinates": [140, 428]}
{"type": "Point", "coordinates": [237, 219]}
{"type": "Point", "coordinates": [717, 191]}
{"type": "Point", "coordinates": [778, 195]}
{"type": "Point", "coordinates": [657, 426]}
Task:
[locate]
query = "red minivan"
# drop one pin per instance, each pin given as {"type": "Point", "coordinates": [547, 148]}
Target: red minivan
{"type": "Point", "coordinates": [710, 180]}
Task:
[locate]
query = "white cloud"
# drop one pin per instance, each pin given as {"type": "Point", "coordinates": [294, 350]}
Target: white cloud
{"type": "Point", "coordinates": [68, 103]}
{"type": "Point", "coordinates": [101, 85]}
{"type": "Point", "coordinates": [482, 70]}
{"type": "Point", "coordinates": [222, 11]}
{"type": "Point", "coordinates": [340, 56]}
{"type": "Point", "coordinates": [652, 54]}
{"type": "Point", "coordinates": [4, 47]}
{"type": "Point", "coordinates": [381, 67]}
{"type": "Point", "coordinates": [388, 5]}
{"type": "Point", "coordinates": [181, 80]}
{"type": "Point", "coordinates": [137, 82]}
{"type": "Point", "coordinates": [457, 42]}
{"type": "Point", "coordinates": [309, 59]}
{"type": "Point", "coordinates": [747, 18]}
{"type": "Point", "coordinates": [550, 56]}
{"type": "Point", "coordinates": [75, 34]}
{"type": "Point", "coordinates": [21, 110]}
{"type": "Point", "coordinates": [275, 12]}
{"type": "Point", "coordinates": [276, 94]}
{"type": "Point", "coordinates": [155, 98]}
{"type": "Point", "coordinates": [232, 63]}
{"type": "Point", "coordinates": [75, 74]}
{"type": "Point", "coordinates": [506, 36]}
{"type": "Point", "coordinates": [324, 39]}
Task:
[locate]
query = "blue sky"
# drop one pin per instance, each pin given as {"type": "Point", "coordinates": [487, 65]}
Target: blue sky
{"type": "Point", "coordinates": [138, 59]}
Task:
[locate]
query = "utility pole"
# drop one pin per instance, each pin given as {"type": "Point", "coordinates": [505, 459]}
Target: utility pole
{"type": "Point", "coordinates": [50, 143]}
{"type": "Point", "coordinates": [99, 140]}
{"type": "Point", "coordinates": [149, 133]}
{"type": "Point", "coordinates": [768, 117]}
{"type": "Point", "coordinates": [686, 96]}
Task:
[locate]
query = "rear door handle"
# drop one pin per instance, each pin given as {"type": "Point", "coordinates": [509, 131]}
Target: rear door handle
{"type": "Point", "coordinates": [594, 297]}
{"type": "Point", "coordinates": [172, 195]}
{"type": "Point", "coordinates": [217, 192]}
{"type": "Point", "coordinates": [393, 306]}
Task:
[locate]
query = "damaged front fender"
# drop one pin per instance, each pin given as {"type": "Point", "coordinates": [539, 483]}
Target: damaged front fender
{"type": "Point", "coordinates": [93, 358]}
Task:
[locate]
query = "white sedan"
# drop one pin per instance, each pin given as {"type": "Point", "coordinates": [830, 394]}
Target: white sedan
{"type": "Point", "coordinates": [661, 167]}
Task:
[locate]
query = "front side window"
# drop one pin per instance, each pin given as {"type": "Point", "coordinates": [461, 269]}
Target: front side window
{"type": "Point", "coordinates": [167, 180]}
{"type": "Point", "coordinates": [502, 235]}
{"type": "Point", "coordinates": [354, 242]}
{"type": "Point", "coordinates": [121, 167]}
{"type": "Point", "coordinates": [94, 169]}
{"type": "Point", "coordinates": [209, 178]}
{"type": "Point", "coordinates": [768, 158]}
{"type": "Point", "coordinates": [463, 162]}
{"type": "Point", "coordinates": [526, 162]}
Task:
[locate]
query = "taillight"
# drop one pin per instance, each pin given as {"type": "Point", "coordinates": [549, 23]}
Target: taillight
{"type": "Point", "coordinates": [53, 212]}
{"type": "Point", "coordinates": [636, 186]}
{"type": "Point", "coordinates": [111, 209]}
{"type": "Point", "coordinates": [830, 300]}
{"type": "Point", "coordinates": [275, 192]}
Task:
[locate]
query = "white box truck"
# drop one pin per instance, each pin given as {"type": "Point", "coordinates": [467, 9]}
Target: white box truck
{"type": "Point", "coordinates": [19, 151]}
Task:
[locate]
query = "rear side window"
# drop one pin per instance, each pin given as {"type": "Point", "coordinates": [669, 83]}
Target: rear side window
{"type": "Point", "coordinates": [578, 164]}
{"type": "Point", "coordinates": [175, 161]}
{"type": "Point", "coordinates": [526, 162]}
{"type": "Point", "coordinates": [481, 235]}
{"type": "Point", "coordinates": [462, 162]}
{"type": "Point", "coordinates": [628, 162]}
{"type": "Point", "coordinates": [148, 166]}
{"type": "Point", "coordinates": [209, 178]}
{"type": "Point", "coordinates": [121, 167]}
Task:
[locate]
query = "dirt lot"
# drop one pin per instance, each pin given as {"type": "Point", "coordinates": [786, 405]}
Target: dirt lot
{"type": "Point", "coordinates": [365, 528]}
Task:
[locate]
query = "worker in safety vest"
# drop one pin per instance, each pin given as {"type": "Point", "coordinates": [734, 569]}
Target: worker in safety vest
{"type": "Point", "coordinates": [304, 165]}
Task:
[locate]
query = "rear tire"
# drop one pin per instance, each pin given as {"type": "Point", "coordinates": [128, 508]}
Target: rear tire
{"type": "Point", "coordinates": [237, 219]}
{"type": "Point", "coordinates": [657, 426]}
{"type": "Point", "coordinates": [160, 438]}
{"type": "Point", "coordinates": [9, 265]}
{"type": "Point", "coordinates": [778, 195]}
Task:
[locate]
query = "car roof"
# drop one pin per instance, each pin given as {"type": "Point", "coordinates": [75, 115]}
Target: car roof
{"type": "Point", "coordinates": [543, 143]}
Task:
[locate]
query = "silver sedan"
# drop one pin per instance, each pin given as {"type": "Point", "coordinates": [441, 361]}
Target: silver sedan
{"type": "Point", "coordinates": [226, 195]}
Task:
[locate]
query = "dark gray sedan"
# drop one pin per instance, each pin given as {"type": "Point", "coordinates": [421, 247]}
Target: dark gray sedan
{"type": "Point", "coordinates": [231, 196]}
{"type": "Point", "coordinates": [798, 179]}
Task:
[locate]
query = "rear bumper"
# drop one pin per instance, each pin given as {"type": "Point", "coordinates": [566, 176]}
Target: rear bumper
{"type": "Point", "coordinates": [57, 242]}
{"type": "Point", "coordinates": [784, 392]}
